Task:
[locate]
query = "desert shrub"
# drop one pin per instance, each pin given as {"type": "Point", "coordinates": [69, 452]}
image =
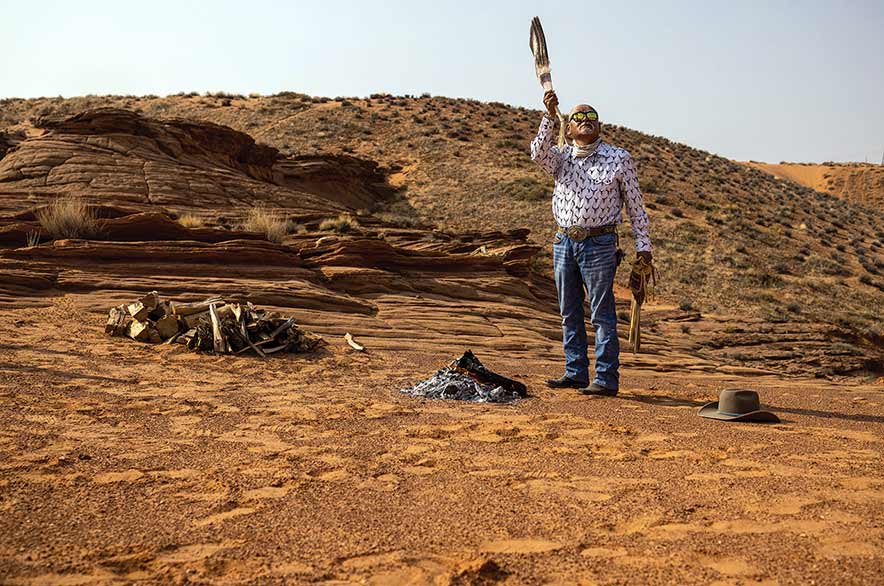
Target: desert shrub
{"type": "Point", "coordinates": [69, 217]}
{"type": "Point", "coordinates": [782, 268]}
{"type": "Point", "coordinates": [686, 305]}
{"type": "Point", "coordinates": [189, 220]}
{"type": "Point", "coordinates": [509, 143]}
{"type": "Point", "coordinates": [763, 278]}
{"type": "Point", "coordinates": [262, 221]}
{"type": "Point", "coordinates": [224, 95]}
{"type": "Point", "coordinates": [651, 185]}
{"type": "Point", "coordinates": [293, 227]}
{"type": "Point", "coordinates": [829, 267]}
{"type": "Point", "coordinates": [841, 348]}
{"type": "Point", "coordinates": [342, 224]}
{"type": "Point", "coordinates": [399, 220]}
{"type": "Point", "coordinates": [777, 316]}
{"type": "Point", "coordinates": [676, 212]}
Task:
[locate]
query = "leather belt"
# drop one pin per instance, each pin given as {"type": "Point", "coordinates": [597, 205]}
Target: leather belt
{"type": "Point", "coordinates": [579, 233]}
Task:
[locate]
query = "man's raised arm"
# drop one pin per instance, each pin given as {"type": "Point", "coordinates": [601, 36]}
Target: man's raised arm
{"type": "Point", "coordinates": [544, 151]}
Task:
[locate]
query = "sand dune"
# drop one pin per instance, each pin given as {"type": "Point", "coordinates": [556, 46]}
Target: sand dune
{"type": "Point", "coordinates": [854, 182]}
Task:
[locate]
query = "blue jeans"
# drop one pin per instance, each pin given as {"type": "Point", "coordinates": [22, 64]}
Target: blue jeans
{"type": "Point", "coordinates": [592, 262]}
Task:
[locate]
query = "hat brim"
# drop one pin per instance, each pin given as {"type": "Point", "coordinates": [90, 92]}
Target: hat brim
{"type": "Point", "coordinates": [710, 411]}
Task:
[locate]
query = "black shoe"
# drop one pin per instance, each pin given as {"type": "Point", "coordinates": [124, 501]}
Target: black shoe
{"type": "Point", "coordinates": [564, 383]}
{"type": "Point", "coordinates": [599, 390]}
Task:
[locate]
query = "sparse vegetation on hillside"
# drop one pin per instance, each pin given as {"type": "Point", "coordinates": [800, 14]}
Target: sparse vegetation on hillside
{"type": "Point", "coordinates": [529, 189]}
{"type": "Point", "coordinates": [727, 236]}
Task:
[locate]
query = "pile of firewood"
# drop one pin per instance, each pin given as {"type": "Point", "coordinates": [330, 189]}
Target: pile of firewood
{"type": "Point", "coordinates": [212, 325]}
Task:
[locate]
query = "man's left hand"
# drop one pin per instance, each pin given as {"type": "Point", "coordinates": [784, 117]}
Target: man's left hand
{"type": "Point", "coordinates": [637, 284]}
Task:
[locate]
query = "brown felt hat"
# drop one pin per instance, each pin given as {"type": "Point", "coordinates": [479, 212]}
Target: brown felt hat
{"type": "Point", "coordinates": [737, 405]}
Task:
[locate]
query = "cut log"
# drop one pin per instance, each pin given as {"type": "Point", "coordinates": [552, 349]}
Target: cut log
{"type": "Point", "coordinates": [186, 337]}
{"type": "Point", "coordinates": [140, 331]}
{"type": "Point", "coordinates": [185, 309]}
{"type": "Point", "coordinates": [117, 321]}
{"type": "Point", "coordinates": [283, 327]}
{"type": "Point", "coordinates": [173, 339]}
{"type": "Point", "coordinates": [142, 308]}
{"type": "Point", "coordinates": [138, 311]}
{"type": "Point", "coordinates": [220, 344]}
{"type": "Point", "coordinates": [160, 311]}
{"type": "Point", "coordinates": [225, 312]}
{"type": "Point", "coordinates": [167, 326]}
{"type": "Point", "coordinates": [245, 335]}
{"type": "Point", "coordinates": [275, 349]}
{"type": "Point", "coordinates": [193, 319]}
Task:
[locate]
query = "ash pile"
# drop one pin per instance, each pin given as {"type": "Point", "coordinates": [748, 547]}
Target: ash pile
{"type": "Point", "coordinates": [213, 325]}
{"type": "Point", "coordinates": [467, 379]}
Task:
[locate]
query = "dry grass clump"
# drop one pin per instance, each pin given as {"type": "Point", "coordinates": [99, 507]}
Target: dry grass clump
{"type": "Point", "coordinates": [265, 222]}
{"type": "Point", "coordinates": [69, 217]}
{"type": "Point", "coordinates": [342, 224]}
{"type": "Point", "coordinates": [294, 227]}
{"type": "Point", "coordinates": [189, 220]}
{"type": "Point", "coordinates": [400, 220]}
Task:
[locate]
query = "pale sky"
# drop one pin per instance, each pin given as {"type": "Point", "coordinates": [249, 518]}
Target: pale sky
{"type": "Point", "coordinates": [765, 80]}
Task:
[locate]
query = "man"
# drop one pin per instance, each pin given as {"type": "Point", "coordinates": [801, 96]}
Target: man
{"type": "Point", "coordinates": [593, 182]}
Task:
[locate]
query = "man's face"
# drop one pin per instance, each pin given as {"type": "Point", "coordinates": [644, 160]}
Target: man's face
{"type": "Point", "coordinates": [584, 127]}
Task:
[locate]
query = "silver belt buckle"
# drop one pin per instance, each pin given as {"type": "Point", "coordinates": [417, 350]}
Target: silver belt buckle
{"type": "Point", "coordinates": [577, 233]}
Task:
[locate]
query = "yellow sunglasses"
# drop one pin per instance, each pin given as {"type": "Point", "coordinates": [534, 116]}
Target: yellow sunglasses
{"type": "Point", "coordinates": [581, 116]}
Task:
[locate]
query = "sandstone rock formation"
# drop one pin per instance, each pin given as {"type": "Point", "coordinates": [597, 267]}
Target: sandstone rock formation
{"type": "Point", "coordinates": [390, 284]}
{"type": "Point", "coordinates": [117, 156]}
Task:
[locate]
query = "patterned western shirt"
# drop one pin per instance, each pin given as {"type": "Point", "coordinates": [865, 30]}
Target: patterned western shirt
{"type": "Point", "coordinates": [591, 190]}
